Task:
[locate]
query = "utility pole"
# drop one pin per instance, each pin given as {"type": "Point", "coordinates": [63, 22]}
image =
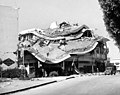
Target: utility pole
{"type": "Point", "coordinates": [93, 63]}
{"type": "Point", "coordinates": [23, 63]}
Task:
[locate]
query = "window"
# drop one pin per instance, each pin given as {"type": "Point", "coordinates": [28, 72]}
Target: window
{"type": "Point", "coordinates": [87, 33]}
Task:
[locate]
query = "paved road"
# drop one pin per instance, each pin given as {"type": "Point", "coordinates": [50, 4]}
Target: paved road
{"type": "Point", "coordinates": [87, 85]}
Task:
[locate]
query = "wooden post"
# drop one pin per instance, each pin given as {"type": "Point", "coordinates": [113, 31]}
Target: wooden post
{"type": "Point", "coordinates": [63, 67]}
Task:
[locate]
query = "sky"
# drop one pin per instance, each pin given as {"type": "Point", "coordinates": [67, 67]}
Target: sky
{"type": "Point", "coordinates": [41, 13]}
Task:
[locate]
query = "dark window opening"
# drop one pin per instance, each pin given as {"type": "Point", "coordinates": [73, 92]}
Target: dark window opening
{"type": "Point", "coordinates": [87, 33]}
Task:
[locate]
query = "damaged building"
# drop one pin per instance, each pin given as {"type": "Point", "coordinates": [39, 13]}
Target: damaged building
{"type": "Point", "coordinates": [62, 49]}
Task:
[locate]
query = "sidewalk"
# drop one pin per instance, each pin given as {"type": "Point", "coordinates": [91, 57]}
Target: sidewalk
{"type": "Point", "coordinates": [16, 85]}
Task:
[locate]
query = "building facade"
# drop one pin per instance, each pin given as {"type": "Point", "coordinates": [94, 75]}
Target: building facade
{"type": "Point", "coordinates": [62, 49]}
{"type": "Point", "coordinates": [8, 31]}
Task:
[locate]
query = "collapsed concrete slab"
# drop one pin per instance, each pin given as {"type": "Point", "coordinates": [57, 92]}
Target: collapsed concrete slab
{"type": "Point", "coordinates": [64, 45]}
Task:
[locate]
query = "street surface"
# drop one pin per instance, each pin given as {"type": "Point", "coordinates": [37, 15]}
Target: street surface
{"type": "Point", "coordinates": [86, 85]}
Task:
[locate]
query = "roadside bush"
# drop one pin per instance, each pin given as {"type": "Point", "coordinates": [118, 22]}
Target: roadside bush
{"type": "Point", "coordinates": [11, 73]}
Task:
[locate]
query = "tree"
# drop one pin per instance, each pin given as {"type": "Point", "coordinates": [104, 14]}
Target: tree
{"type": "Point", "coordinates": [111, 11]}
{"type": "Point", "coordinates": [0, 61]}
{"type": "Point", "coordinates": [1, 67]}
{"type": "Point", "coordinates": [1, 71]}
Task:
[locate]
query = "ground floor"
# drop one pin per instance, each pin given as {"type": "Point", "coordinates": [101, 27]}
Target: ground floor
{"type": "Point", "coordinates": [40, 69]}
{"type": "Point", "coordinates": [73, 65]}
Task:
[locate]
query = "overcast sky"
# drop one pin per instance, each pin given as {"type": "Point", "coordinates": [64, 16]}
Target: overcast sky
{"type": "Point", "coordinates": [40, 13]}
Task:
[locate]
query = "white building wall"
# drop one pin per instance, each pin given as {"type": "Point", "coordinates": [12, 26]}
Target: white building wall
{"type": "Point", "coordinates": [8, 30]}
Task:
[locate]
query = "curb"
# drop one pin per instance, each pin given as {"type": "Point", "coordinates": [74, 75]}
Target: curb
{"type": "Point", "coordinates": [27, 88]}
{"type": "Point", "coordinates": [11, 92]}
{"type": "Point", "coordinates": [70, 77]}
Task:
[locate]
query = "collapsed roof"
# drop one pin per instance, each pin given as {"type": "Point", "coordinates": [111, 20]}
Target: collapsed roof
{"type": "Point", "coordinates": [58, 42]}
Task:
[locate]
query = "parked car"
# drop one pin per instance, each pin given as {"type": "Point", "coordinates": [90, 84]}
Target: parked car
{"type": "Point", "coordinates": [110, 70]}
